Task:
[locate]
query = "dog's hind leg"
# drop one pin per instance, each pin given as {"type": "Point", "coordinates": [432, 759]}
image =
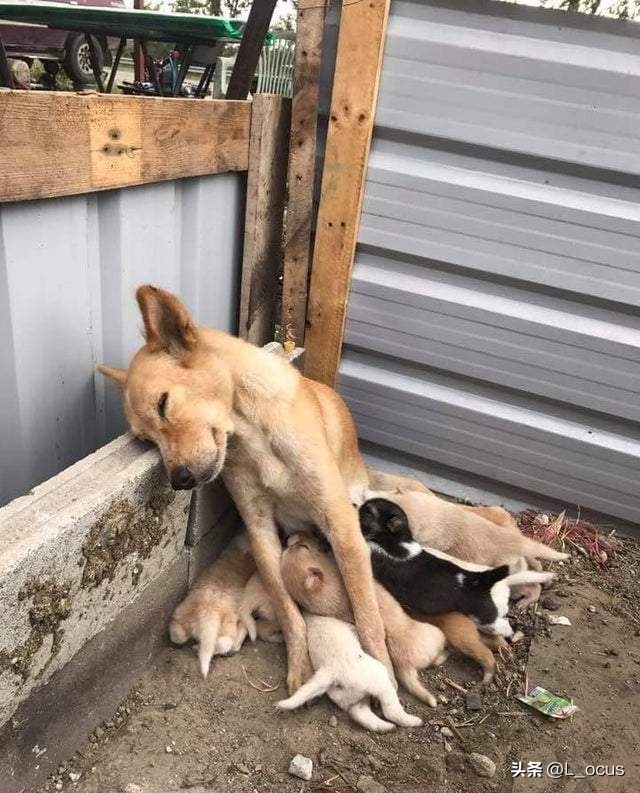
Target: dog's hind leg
{"type": "Point", "coordinates": [410, 679]}
{"type": "Point", "coordinates": [362, 714]}
{"type": "Point", "coordinates": [318, 685]}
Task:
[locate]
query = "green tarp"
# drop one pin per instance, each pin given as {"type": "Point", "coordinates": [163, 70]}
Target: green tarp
{"type": "Point", "coordinates": [128, 22]}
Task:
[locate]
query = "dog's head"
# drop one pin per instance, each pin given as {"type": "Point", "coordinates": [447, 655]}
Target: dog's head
{"type": "Point", "coordinates": [384, 522]}
{"type": "Point", "coordinates": [312, 578]}
{"type": "Point", "coordinates": [174, 394]}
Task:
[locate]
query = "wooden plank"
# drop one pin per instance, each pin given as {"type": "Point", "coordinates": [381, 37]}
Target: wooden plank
{"type": "Point", "coordinates": [353, 103]}
{"type": "Point", "coordinates": [57, 144]}
{"type": "Point", "coordinates": [250, 47]}
{"type": "Point", "coordinates": [266, 189]}
{"type": "Point", "coordinates": [302, 155]}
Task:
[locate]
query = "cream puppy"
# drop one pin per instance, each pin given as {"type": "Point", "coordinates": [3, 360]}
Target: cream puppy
{"type": "Point", "coordinates": [210, 613]}
{"type": "Point", "coordinates": [313, 580]}
{"type": "Point", "coordinates": [349, 677]}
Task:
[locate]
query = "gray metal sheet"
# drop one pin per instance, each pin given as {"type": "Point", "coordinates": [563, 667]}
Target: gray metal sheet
{"type": "Point", "coordinates": [493, 326]}
{"type": "Point", "coordinates": [68, 271]}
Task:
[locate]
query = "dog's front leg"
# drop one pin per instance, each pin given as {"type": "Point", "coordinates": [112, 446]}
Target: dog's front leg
{"type": "Point", "coordinates": [342, 529]}
{"type": "Point", "coordinates": [265, 546]}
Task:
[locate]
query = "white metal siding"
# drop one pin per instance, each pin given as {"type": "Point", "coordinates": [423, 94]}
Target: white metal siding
{"type": "Point", "coordinates": [493, 326]}
{"type": "Point", "coordinates": [68, 271]}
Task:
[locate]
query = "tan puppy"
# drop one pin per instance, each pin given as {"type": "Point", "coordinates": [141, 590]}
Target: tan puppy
{"type": "Point", "coordinates": [463, 635]}
{"type": "Point", "coordinates": [288, 447]}
{"type": "Point", "coordinates": [314, 582]}
{"type": "Point", "coordinates": [209, 613]}
{"type": "Point", "coordinates": [461, 531]}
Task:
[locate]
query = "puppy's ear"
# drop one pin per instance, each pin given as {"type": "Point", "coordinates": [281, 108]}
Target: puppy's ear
{"type": "Point", "coordinates": [167, 323]}
{"type": "Point", "coordinates": [313, 579]}
{"type": "Point", "coordinates": [395, 524]}
{"type": "Point", "coordinates": [119, 376]}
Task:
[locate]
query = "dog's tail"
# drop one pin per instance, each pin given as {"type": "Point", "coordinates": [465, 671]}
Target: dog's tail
{"type": "Point", "coordinates": [538, 550]}
{"type": "Point", "coordinates": [208, 638]}
{"type": "Point", "coordinates": [529, 577]}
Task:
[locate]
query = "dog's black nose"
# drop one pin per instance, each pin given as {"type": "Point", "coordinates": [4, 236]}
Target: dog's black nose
{"type": "Point", "coordinates": [182, 478]}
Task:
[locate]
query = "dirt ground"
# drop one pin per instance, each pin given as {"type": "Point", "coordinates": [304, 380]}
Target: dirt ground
{"type": "Point", "coordinates": [176, 732]}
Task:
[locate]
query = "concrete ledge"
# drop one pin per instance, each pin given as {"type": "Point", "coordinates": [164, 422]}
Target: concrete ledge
{"type": "Point", "coordinates": [74, 553]}
{"type": "Point", "coordinates": [57, 718]}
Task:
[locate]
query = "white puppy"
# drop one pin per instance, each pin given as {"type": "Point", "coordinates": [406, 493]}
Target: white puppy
{"type": "Point", "coordinates": [348, 676]}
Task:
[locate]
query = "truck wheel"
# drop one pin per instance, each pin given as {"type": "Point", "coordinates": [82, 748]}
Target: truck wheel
{"type": "Point", "coordinates": [77, 59]}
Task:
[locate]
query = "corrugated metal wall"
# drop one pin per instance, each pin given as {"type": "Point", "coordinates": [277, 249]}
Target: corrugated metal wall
{"type": "Point", "coordinates": [494, 325]}
{"type": "Point", "coordinates": [68, 271]}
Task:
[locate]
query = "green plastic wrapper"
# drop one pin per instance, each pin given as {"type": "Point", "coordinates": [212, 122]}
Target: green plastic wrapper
{"type": "Point", "coordinates": [548, 703]}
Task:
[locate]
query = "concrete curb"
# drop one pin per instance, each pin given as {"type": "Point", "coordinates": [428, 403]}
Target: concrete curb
{"type": "Point", "coordinates": [74, 553]}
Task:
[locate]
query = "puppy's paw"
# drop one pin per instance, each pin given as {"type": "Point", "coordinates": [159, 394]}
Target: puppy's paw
{"type": "Point", "coordinates": [410, 721]}
{"type": "Point", "coordinates": [504, 648]}
{"type": "Point", "coordinates": [224, 645]}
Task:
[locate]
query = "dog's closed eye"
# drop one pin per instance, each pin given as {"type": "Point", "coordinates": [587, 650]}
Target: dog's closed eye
{"type": "Point", "coordinates": [162, 405]}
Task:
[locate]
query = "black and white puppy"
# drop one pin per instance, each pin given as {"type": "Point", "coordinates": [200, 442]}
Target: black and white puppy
{"type": "Point", "coordinates": [426, 581]}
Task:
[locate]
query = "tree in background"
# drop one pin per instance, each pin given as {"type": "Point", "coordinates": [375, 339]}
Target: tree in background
{"type": "Point", "coordinates": [620, 9]}
{"type": "Point", "coordinates": [232, 9]}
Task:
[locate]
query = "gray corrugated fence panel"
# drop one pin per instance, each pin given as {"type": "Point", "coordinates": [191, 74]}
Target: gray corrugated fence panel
{"type": "Point", "coordinates": [68, 271]}
{"type": "Point", "coordinates": [493, 324]}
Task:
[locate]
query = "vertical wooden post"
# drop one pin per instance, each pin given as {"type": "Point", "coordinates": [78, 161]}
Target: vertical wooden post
{"type": "Point", "coordinates": [138, 54]}
{"type": "Point", "coordinates": [302, 154]}
{"type": "Point", "coordinates": [266, 189]}
{"type": "Point", "coordinates": [251, 45]}
{"type": "Point", "coordinates": [353, 103]}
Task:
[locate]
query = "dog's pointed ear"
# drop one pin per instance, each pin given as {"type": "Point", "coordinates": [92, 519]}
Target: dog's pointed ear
{"type": "Point", "coordinates": [167, 323]}
{"type": "Point", "coordinates": [314, 579]}
{"type": "Point", "coordinates": [119, 376]}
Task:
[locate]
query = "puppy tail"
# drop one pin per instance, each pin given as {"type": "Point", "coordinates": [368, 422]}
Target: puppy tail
{"type": "Point", "coordinates": [529, 577]}
{"type": "Point", "coordinates": [538, 550]}
{"type": "Point", "coordinates": [208, 638]}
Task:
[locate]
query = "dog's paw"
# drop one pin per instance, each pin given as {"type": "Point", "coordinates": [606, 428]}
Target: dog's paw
{"type": "Point", "coordinates": [298, 674]}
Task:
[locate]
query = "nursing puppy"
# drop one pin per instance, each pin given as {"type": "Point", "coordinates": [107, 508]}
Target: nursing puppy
{"type": "Point", "coordinates": [209, 613]}
{"type": "Point", "coordinates": [484, 535]}
{"type": "Point", "coordinates": [349, 677]}
{"type": "Point", "coordinates": [462, 633]}
{"type": "Point", "coordinates": [456, 529]}
{"type": "Point", "coordinates": [313, 580]}
{"type": "Point", "coordinates": [426, 581]}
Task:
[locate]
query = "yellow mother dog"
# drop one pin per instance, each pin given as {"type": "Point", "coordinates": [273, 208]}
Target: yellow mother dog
{"type": "Point", "coordinates": [286, 448]}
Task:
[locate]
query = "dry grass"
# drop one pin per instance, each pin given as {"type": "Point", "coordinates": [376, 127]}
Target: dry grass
{"type": "Point", "coordinates": [561, 532]}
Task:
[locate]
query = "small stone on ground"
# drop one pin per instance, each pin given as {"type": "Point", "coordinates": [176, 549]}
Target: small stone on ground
{"type": "Point", "coordinates": [482, 765]}
{"type": "Point", "coordinates": [302, 767]}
